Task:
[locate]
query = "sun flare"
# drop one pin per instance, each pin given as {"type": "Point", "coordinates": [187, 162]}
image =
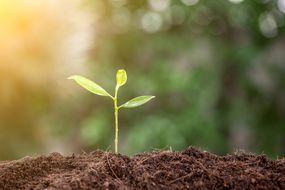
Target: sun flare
{"type": "Point", "coordinates": [40, 39]}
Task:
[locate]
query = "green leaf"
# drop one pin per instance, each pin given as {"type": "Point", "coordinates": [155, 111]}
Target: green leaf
{"type": "Point", "coordinates": [89, 85]}
{"type": "Point", "coordinates": [121, 77]}
{"type": "Point", "coordinates": [138, 101]}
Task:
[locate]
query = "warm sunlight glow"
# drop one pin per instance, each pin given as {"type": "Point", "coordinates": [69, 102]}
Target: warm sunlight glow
{"type": "Point", "coordinates": [40, 39]}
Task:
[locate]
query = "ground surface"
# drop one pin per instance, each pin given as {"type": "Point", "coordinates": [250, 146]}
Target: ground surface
{"type": "Point", "coordinates": [188, 169]}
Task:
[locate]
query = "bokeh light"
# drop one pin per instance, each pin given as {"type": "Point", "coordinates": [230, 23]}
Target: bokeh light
{"type": "Point", "coordinates": [189, 2]}
{"type": "Point", "coordinates": [151, 22]}
{"type": "Point", "coordinates": [281, 5]}
{"type": "Point", "coordinates": [268, 25]}
{"type": "Point", "coordinates": [236, 1]}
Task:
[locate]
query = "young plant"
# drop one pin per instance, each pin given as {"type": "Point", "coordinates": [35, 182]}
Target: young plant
{"type": "Point", "coordinates": [121, 78]}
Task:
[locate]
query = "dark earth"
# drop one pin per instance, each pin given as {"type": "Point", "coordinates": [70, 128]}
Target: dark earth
{"type": "Point", "coordinates": [188, 169]}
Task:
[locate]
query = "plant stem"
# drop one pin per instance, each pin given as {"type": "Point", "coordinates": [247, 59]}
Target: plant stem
{"type": "Point", "coordinates": [116, 120]}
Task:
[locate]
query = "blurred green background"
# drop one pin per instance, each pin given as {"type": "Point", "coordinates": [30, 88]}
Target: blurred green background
{"type": "Point", "coordinates": [217, 69]}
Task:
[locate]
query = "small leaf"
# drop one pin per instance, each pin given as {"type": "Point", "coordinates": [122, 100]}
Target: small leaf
{"type": "Point", "coordinates": [138, 101]}
{"type": "Point", "coordinates": [89, 85]}
{"type": "Point", "coordinates": [121, 77]}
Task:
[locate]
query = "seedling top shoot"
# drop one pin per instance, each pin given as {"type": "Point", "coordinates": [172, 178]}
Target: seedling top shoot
{"type": "Point", "coordinates": [121, 79]}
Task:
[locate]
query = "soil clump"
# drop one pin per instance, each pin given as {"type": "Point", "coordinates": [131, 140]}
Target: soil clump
{"type": "Point", "coordinates": [188, 169]}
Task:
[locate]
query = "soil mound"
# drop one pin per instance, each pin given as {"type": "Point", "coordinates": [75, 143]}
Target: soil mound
{"type": "Point", "coordinates": [188, 169]}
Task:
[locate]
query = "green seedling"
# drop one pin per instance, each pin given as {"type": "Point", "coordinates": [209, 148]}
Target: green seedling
{"type": "Point", "coordinates": [121, 78]}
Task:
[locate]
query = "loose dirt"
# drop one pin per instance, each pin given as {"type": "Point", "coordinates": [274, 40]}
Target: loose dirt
{"type": "Point", "coordinates": [188, 169]}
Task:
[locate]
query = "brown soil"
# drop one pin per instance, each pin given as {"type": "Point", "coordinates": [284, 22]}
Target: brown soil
{"type": "Point", "coordinates": [188, 169]}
